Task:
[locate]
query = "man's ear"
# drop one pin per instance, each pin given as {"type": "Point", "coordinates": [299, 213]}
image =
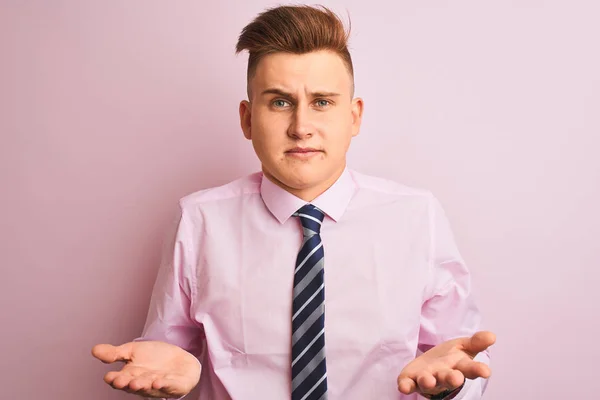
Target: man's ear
{"type": "Point", "coordinates": [357, 113]}
{"type": "Point", "coordinates": [245, 118]}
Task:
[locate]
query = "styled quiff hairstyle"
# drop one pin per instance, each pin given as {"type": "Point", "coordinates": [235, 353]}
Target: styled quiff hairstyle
{"type": "Point", "coordinates": [296, 29]}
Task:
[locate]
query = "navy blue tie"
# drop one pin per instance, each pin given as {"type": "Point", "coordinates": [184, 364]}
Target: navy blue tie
{"type": "Point", "coordinates": [309, 373]}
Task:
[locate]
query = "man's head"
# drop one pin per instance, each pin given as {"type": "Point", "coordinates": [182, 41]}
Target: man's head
{"type": "Point", "coordinates": [300, 97]}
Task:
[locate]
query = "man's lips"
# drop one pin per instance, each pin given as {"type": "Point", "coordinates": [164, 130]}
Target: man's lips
{"type": "Point", "coordinates": [303, 150]}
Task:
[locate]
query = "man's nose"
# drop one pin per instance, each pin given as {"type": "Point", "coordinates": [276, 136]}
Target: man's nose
{"type": "Point", "coordinates": [301, 126]}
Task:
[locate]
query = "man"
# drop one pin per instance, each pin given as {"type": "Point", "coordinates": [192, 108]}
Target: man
{"type": "Point", "coordinates": [307, 280]}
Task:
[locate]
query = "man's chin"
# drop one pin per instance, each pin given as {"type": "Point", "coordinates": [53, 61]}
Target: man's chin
{"type": "Point", "coordinates": [299, 181]}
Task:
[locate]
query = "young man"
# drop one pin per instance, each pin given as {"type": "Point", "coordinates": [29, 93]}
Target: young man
{"type": "Point", "coordinates": [307, 280]}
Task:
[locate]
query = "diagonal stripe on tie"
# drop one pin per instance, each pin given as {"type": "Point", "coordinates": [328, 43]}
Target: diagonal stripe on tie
{"type": "Point", "coordinates": [314, 385]}
{"type": "Point", "coordinates": [310, 243]}
{"type": "Point", "coordinates": [300, 376]}
{"type": "Point", "coordinates": [306, 348]}
{"type": "Point", "coordinates": [312, 252]}
{"type": "Point", "coordinates": [312, 297]}
{"type": "Point", "coordinates": [315, 316]}
{"type": "Point", "coordinates": [310, 349]}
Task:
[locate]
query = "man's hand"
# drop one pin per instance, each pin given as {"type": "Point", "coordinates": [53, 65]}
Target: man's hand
{"type": "Point", "coordinates": [152, 369]}
{"type": "Point", "coordinates": [446, 366]}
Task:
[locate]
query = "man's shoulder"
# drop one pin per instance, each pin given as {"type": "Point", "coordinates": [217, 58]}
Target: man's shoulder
{"type": "Point", "coordinates": [247, 185]}
{"type": "Point", "coordinates": [387, 186]}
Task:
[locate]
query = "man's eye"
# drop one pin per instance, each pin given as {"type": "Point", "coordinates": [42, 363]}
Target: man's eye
{"type": "Point", "coordinates": [280, 103]}
{"type": "Point", "coordinates": [323, 103]}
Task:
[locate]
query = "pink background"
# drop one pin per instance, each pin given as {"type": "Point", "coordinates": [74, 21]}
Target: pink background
{"type": "Point", "coordinates": [112, 110]}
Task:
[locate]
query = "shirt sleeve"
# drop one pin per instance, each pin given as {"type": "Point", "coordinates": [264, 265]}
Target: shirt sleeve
{"type": "Point", "coordinates": [449, 310]}
{"type": "Point", "coordinates": [169, 318]}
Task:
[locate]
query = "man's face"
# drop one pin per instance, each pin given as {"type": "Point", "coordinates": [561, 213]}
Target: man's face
{"type": "Point", "coordinates": [301, 118]}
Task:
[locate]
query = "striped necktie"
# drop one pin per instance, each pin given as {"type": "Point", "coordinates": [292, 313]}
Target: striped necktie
{"type": "Point", "coordinates": [309, 374]}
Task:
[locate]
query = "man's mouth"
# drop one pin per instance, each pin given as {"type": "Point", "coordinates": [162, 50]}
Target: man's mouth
{"type": "Point", "coordinates": [301, 150]}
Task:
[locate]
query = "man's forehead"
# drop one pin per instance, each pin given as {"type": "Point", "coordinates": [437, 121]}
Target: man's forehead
{"type": "Point", "coordinates": [318, 71]}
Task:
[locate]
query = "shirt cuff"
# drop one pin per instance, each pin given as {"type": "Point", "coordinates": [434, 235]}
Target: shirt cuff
{"type": "Point", "coordinates": [463, 393]}
{"type": "Point", "coordinates": [445, 395]}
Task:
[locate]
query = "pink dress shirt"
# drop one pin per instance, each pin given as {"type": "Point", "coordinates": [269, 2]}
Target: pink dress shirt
{"type": "Point", "coordinates": [395, 284]}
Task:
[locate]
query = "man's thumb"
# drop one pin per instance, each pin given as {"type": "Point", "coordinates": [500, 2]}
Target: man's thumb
{"type": "Point", "coordinates": [107, 353]}
{"type": "Point", "coordinates": [479, 342]}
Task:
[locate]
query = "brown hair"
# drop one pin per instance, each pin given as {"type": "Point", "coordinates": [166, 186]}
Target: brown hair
{"type": "Point", "coordinates": [294, 29]}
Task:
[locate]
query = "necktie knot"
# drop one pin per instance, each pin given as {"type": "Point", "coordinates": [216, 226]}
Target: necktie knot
{"type": "Point", "coordinates": [311, 219]}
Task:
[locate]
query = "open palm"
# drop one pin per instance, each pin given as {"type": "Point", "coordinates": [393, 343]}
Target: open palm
{"type": "Point", "coordinates": [447, 365]}
{"type": "Point", "coordinates": [152, 369]}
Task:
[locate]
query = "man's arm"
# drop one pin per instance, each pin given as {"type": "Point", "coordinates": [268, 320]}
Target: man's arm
{"type": "Point", "coordinates": [449, 311]}
{"type": "Point", "coordinates": [169, 314]}
{"type": "Point", "coordinates": [449, 320]}
{"type": "Point", "coordinates": [169, 319]}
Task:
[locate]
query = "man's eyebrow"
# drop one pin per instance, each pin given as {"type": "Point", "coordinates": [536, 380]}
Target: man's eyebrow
{"type": "Point", "coordinates": [277, 92]}
{"type": "Point", "coordinates": [325, 94]}
{"type": "Point", "coordinates": [291, 96]}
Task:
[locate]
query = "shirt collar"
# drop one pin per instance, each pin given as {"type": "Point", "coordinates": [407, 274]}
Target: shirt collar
{"type": "Point", "coordinates": [333, 202]}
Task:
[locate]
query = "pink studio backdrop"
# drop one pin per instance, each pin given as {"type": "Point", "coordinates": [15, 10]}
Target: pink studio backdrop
{"type": "Point", "coordinates": [110, 111]}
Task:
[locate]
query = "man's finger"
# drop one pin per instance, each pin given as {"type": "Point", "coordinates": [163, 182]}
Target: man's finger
{"type": "Point", "coordinates": [479, 342]}
{"type": "Point", "coordinates": [110, 376]}
{"type": "Point", "coordinates": [107, 353]}
{"type": "Point", "coordinates": [121, 381]}
{"type": "Point", "coordinates": [407, 385]}
{"type": "Point", "coordinates": [426, 381]}
{"type": "Point", "coordinates": [449, 378]}
{"type": "Point", "coordinates": [143, 382]}
{"type": "Point", "coordinates": [473, 369]}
